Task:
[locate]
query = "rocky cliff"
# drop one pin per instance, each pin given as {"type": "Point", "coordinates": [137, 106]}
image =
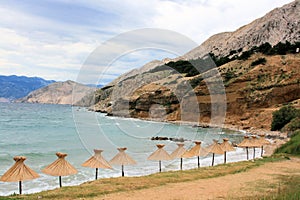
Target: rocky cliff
{"type": "Point", "coordinates": [253, 88]}
{"type": "Point", "coordinates": [68, 92]}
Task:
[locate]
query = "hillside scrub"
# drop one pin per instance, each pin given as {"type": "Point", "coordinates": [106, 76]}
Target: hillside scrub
{"type": "Point", "coordinates": [283, 116]}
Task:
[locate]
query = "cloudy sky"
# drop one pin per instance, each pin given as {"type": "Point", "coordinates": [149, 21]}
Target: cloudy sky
{"type": "Point", "coordinates": [53, 38]}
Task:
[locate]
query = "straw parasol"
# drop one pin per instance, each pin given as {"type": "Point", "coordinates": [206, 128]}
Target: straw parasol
{"type": "Point", "coordinates": [254, 143]}
{"type": "Point", "coordinates": [197, 150]}
{"type": "Point", "coordinates": [215, 148]}
{"type": "Point", "coordinates": [160, 154]}
{"type": "Point", "coordinates": [178, 153]}
{"type": "Point", "coordinates": [245, 144]}
{"type": "Point", "coordinates": [263, 141]}
{"type": "Point", "coordinates": [226, 146]}
{"type": "Point", "coordinates": [122, 159]}
{"type": "Point", "coordinates": [60, 167]}
{"type": "Point", "coordinates": [97, 161]}
{"type": "Point", "coordinates": [19, 172]}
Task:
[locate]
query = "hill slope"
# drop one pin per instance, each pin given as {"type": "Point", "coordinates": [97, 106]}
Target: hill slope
{"type": "Point", "coordinates": [68, 92]}
{"type": "Point", "coordinates": [254, 86]}
{"type": "Point", "coordinates": [279, 25]}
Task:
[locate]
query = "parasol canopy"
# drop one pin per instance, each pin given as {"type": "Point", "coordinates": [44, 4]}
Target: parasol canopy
{"type": "Point", "coordinates": [60, 167]}
{"type": "Point", "coordinates": [215, 148]}
{"type": "Point", "coordinates": [226, 146]}
{"type": "Point", "coordinates": [19, 172]}
{"type": "Point", "coordinates": [196, 150]}
{"type": "Point", "coordinates": [122, 159]}
{"type": "Point", "coordinates": [178, 153]}
{"type": "Point", "coordinates": [97, 161]}
{"type": "Point", "coordinates": [160, 154]}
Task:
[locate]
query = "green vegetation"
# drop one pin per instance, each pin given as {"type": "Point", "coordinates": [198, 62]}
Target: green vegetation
{"type": "Point", "coordinates": [283, 116]}
{"type": "Point", "coordinates": [259, 61]}
{"type": "Point", "coordinates": [266, 48]}
{"type": "Point", "coordinates": [292, 146]}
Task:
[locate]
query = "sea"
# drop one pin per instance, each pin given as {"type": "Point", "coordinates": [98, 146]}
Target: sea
{"type": "Point", "coordinates": [38, 131]}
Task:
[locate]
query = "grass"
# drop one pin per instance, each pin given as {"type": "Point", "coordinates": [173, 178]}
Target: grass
{"type": "Point", "coordinates": [288, 188]}
{"type": "Point", "coordinates": [113, 185]}
{"type": "Point", "coordinates": [292, 146]}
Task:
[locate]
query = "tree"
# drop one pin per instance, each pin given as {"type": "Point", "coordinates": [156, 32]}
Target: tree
{"type": "Point", "coordinates": [283, 116]}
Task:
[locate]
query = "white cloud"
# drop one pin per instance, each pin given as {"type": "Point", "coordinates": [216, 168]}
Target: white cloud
{"type": "Point", "coordinates": [39, 45]}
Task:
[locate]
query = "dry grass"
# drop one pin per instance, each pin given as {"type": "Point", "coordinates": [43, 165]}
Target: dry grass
{"type": "Point", "coordinates": [112, 185]}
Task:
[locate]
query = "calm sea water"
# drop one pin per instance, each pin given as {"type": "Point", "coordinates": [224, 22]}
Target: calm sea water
{"type": "Point", "coordinates": [38, 131]}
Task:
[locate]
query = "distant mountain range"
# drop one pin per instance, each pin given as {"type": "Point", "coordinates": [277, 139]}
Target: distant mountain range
{"type": "Point", "coordinates": [14, 87]}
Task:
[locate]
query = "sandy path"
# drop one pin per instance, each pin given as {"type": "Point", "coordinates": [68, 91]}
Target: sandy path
{"type": "Point", "coordinates": [233, 185]}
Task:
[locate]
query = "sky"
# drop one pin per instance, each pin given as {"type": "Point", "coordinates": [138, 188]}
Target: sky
{"type": "Point", "coordinates": [53, 39]}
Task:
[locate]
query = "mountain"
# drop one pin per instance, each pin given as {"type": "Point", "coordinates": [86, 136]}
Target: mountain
{"type": "Point", "coordinates": [255, 85]}
{"type": "Point", "coordinates": [14, 87]}
{"type": "Point", "coordinates": [68, 92]}
{"type": "Point", "coordinates": [279, 25]}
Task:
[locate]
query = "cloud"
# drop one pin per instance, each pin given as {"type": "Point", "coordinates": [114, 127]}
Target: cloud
{"type": "Point", "coordinates": [52, 39]}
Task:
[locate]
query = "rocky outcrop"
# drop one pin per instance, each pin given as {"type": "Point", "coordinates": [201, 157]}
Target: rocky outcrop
{"type": "Point", "coordinates": [68, 92]}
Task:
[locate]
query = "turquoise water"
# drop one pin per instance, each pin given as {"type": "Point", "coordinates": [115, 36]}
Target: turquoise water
{"type": "Point", "coordinates": [38, 131]}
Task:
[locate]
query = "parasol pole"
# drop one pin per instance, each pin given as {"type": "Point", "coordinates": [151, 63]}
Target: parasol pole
{"type": "Point", "coordinates": [213, 159]}
{"type": "Point", "coordinates": [253, 153]}
{"type": "Point", "coordinates": [20, 187]}
{"type": "Point", "coordinates": [247, 153]}
{"type": "Point", "coordinates": [198, 161]}
{"type": "Point", "coordinates": [224, 157]}
{"type": "Point", "coordinates": [122, 170]}
{"type": "Point", "coordinates": [96, 173]}
{"type": "Point", "coordinates": [262, 149]}
{"type": "Point", "coordinates": [159, 163]}
{"type": "Point", "coordinates": [181, 163]}
{"type": "Point", "coordinates": [59, 178]}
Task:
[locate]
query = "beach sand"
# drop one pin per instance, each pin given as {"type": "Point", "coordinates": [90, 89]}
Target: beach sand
{"type": "Point", "coordinates": [244, 184]}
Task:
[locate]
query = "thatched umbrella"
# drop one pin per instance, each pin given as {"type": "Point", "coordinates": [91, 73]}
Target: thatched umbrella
{"type": "Point", "coordinates": [160, 154]}
{"type": "Point", "coordinates": [122, 159]}
{"type": "Point", "coordinates": [178, 153]}
{"type": "Point", "coordinates": [97, 161]}
{"type": "Point", "coordinates": [215, 148]}
{"type": "Point", "coordinates": [196, 150]}
{"type": "Point", "coordinates": [263, 142]}
{"type": "Point", "coordinates": [254, 143]}
{"type": "Point", "coordinates": [19, 172]}
{"type": "Point", "coordinates": [226, 146]}
{"type": "Point", "coordinates": [245, 144]}
{"type": "Point", "coordinates": [60, 167]}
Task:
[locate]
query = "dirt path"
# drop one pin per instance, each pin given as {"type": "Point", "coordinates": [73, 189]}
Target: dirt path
{"type": "Point", "coordinates": [234, 185]}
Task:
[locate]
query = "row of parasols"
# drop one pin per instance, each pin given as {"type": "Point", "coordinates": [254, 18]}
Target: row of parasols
{"type": "Point", "coordinates": [20, 172]}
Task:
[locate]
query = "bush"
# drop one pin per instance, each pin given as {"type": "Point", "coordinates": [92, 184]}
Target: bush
{"type": "Point", "coordinates": [259, 61]}
{"type": "Point", "coordinates": [292, 146]}
{"type": "Point", "coordinates": [283, 116]}
{"type": "Point", "coordinates": [294, 124]}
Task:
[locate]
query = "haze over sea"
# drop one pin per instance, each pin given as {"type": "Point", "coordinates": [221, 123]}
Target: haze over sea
{"type": "Point", "coordinates": [38, 131]}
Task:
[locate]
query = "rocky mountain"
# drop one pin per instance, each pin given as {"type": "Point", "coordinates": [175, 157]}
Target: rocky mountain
{"type": "Point", "coordinates": [247, 89]}
{"type": "Point", "coordinates": [14, 87]}
{"type": "Point", "coordinates": [68, 92]}
{"type": "Point", "coordinates": [279, 25]}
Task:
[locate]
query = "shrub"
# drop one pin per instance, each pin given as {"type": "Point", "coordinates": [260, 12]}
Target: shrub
{"type": "Point", "coordinates": [292, 146]}
{"type": "Point", "coordinates": [283, 116]}
{"type": "Point", "coordinates": [259, 61]}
